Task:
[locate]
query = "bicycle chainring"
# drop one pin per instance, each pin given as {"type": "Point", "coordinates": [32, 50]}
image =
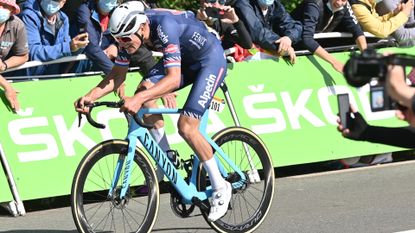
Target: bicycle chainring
{"type": "Point", "coordinates": [179, 208]}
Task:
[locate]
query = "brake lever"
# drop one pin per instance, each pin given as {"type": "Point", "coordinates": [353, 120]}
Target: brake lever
{"type": "Point", "coordinates": [78, 104]}
{"type": "Point", "coordinates": [79, 119]}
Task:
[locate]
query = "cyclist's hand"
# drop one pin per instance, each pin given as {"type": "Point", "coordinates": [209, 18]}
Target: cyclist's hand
{"type": "Point", "coordinates": [169, 100]}
{"type": "Point", "coordinates": [82, 103]}
{"type": "Point", "coordinates": [131, 104]}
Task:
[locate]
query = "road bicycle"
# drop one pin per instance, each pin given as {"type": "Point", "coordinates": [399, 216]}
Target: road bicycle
{"type": "Point", "coordinates": [107, 190]}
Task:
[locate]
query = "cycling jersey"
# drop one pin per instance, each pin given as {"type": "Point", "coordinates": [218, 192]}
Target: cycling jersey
{"type": "Point", "coordinates": [185, 42]}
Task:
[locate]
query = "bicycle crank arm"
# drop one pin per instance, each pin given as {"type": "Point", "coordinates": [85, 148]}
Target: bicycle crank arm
{"type": "Point", "coordinates": [202, 205]}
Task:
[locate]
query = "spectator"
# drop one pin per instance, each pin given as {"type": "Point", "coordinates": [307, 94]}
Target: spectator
{"type": "Point", "coordinates": [225, 22]}
{"type": "Point", "coordinates": [405, 34]}
{"type": "Point", "coordinates": [92, 17]}
{"type": "Point", "coordinates": [13, 49]}
{"type": "Point", "coordinates": [360, 130]}
{"type": "Point", "coordinates": [270, 25]}
{"type": "Point", "coordinates": [327, 16]}
{"type": "Point", "coordinates": [380, 26]}
{"type": "Point", "coordinates": [48, 35]}
{"type": "Point", "coordinates": [71, 7]}
{"type": "Point", "coordinates": [10, 93]}
{"type": "Point", "coordinates": [398, 90]}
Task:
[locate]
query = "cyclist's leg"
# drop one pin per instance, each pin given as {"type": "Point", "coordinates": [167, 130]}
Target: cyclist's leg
{"type": "Point", "coordinates": [206, 80]}
{"type": "Point", "coordinates": [158, 133]}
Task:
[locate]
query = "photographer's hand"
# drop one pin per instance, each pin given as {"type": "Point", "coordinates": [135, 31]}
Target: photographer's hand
{"type": "Point", "coordinates": [357, 126]}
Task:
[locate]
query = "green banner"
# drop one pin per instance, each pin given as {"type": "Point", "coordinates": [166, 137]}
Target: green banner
{"type": "Point", "coordinates": [292, 108]}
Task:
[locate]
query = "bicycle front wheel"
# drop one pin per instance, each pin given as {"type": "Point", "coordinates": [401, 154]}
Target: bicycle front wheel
{"type": "Point", "coordinates": [94, 210]}
{"type": "Point", "coordinates": [250, 203]}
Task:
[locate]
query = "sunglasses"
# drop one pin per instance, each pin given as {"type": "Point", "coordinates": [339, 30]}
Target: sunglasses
{"type": "Point", "coordinates": [124, 39]}
{"type": "Point", "coordinates": [221, 2]}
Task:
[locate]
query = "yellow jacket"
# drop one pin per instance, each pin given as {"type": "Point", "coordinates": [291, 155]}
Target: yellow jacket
{"type": "Point", "coordinates": [380, 26]}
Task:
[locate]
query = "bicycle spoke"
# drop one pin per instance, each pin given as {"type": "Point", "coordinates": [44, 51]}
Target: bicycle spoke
{"type": "Point", "coordinates": [97, 211]}
{"type": "Point", "coordinates": [250, 202]}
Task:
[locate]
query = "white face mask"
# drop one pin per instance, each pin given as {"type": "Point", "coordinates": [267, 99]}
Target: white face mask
{"type": "Point", "coordinates": [265, 2]}
{"type": "Point", "coordinates": [4, 15]}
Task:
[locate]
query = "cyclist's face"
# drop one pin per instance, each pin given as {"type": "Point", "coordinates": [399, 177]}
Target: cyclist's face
{"type": "Point", "coordinates": [132, 42]}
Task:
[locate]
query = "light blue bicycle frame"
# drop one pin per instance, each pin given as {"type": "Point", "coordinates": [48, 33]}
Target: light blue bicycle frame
{"type": "Point", "coordinates": [187, 191]}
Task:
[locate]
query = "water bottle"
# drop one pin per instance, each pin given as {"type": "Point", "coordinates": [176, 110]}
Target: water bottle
{"type": "Point", "coordinates": [173, 155]}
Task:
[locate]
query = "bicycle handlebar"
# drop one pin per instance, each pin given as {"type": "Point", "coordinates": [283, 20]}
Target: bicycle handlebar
{"type": "Point", "coordinates": [110, 104]}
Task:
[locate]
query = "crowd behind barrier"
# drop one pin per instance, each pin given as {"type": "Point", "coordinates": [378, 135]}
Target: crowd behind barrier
{"type": "Point", "coordinates": [52, 40]}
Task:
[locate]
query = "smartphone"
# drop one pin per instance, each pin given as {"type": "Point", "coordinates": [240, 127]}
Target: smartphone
{"type": "Point", "coordinates": [344, 109]}
{"type": "Point", "coordinates": [214, 12]}
{"type": "Point", "coordinates": [82, 29]}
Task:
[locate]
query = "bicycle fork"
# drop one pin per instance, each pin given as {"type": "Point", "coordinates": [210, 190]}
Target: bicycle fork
{"type": "Point", "coordinates": [127, 172]}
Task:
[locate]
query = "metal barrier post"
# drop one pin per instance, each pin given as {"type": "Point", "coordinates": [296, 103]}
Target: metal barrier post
{"type": "Point", "coordinates": [16, 206]}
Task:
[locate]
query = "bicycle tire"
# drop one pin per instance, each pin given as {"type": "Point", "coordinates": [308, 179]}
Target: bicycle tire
{"type": "Point", "coordinates": [94, 211]}
{"type": "Point", "coordinates": [237, 219]}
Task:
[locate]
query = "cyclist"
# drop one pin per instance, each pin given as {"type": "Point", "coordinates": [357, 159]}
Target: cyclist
{"type": "Point", "coordinates": [191, 55]}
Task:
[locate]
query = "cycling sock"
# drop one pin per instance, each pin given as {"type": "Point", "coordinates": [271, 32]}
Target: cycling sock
{"type": "Point", "coordinates": [160, 137]}
{"type": "Point", "coordinates": [215, 177]}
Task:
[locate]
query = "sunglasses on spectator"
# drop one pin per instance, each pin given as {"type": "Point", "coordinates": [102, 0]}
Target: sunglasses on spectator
{"type": "Point", "coordinates": [221, 2]}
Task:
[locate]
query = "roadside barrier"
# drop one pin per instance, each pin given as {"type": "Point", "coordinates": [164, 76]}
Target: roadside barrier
{"type": "Point", "coordinates": [292, 107]}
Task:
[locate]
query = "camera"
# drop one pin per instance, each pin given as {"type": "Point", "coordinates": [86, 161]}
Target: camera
{"type": "Point", "coordinates": [372, 67]}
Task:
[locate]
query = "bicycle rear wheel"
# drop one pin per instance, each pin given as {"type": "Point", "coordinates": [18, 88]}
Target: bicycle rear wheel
{"type": "Point", "coordinates": [92, 208]}
{"type": "Point", "coordinates": [249, 204]}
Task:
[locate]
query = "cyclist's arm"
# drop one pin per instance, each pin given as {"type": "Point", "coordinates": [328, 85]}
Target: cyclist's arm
{"type": "Point", "coordinates": [168, 84]}
{"type": "Point", "coordinates": [110, 83]}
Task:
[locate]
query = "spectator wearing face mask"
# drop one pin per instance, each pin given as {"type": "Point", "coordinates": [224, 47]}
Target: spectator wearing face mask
{"type": "Point", "coordinates": [92, 17]}
{"type": "Point", "coordinates": [327, 16]}
{"type": "Point", "coordinates": [48, 35]}
{"type": "Point", "coordinates": [13, 47]}
{"type": "Point", "coordinates": [270, 25]}
{"type": "Point", "coordinates": [381, 26]}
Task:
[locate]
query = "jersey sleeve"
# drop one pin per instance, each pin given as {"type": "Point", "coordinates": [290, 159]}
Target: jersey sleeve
{"type": "Point", "coordinates": [168, 35]}
{"type": "Point", "coordinates": [123, 58]}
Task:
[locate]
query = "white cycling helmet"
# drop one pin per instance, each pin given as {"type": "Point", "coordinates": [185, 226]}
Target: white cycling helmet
{"type": "Point", "coordinates": [127, 18]}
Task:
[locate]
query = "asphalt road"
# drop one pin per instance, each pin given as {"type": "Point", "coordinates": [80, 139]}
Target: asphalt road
{"type": "Point", "coordinates": [365, 200]}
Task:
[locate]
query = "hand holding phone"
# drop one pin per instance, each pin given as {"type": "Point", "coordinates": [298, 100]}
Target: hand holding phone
{"type": "Point", "coordinates": [82, 30]}
{"type": "Point", "coordinates": [344, 109]}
